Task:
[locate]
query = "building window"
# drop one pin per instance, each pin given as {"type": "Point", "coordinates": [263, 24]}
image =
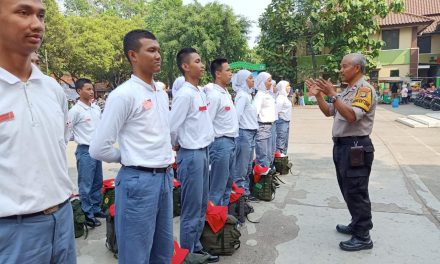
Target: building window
{"type": "Point", "coordinates": [394, 73]}
{"type": "Point", "coordinates": [424, 44]}
{"type": "Point", "coordinates": [391, 39]}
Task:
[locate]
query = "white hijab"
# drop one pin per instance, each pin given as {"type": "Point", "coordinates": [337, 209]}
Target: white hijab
{"type": "Point", "coordinates": [239, 81]}
{"type": "Point", "coordinates": [281, 87]}
{"type": "Point", "coordinates": [178, 83]}
{"type": "Point", "coordinates": [260, 80]}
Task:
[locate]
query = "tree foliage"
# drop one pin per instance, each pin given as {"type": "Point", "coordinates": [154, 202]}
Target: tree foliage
{"type": "Point", "coordinates": [337, 26]}
{"type": "Point", "coordinates": [86, 39]}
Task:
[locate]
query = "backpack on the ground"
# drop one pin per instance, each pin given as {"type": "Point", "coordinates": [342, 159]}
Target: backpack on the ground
{"type": "Point", "coordinates": [177, 192]}
{"type": "Point", "coordinates": [108, 194]}
{"type": "Point", "coordinates": [265, 188]}
{"type": "Point", "coordinates": [282, 165]}
{"type": "Point", "coordinates": [79, 219]}
{"type": "Point", "coordinates": [110, 241]}
{"type": "Point", "coordinates": [225, 242]}
{"type": "Point", "coordinates": [240, 209]}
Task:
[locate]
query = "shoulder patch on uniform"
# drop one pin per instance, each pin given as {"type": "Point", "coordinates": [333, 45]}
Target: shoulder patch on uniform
{"type": "Point", "coordinates": [363, 98]}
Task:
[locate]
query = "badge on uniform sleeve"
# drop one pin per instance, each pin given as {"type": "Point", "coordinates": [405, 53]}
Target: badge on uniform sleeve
{"type": "Point", "coordinates": [203, 108]}
{"type": "Point", "coordinates": [363, 99]}
{"type": "Point", "coordinates": [227, 108]}
{"type": "Point", "coordinates": [7, 117]}
{"type": "Point", "coordinates": [148, 104]}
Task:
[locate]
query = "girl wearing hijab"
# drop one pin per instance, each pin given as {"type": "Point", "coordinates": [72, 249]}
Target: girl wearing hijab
{"type": "Point", "coordinates": [284, 109]}
{"type": "Point", "coordinates": [264, 102]}
{"type": "Point", "coordinates": [243, 83]}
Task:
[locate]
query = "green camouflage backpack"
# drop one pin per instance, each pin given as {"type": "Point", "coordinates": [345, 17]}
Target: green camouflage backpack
{"type": "Point", "coordinates": [108, 194]}
{"type": "Point", "coordinates": [282, 165]}
{"type": "Point", "coordinates": [79, 219]}
{"type": "Point", "coordinates": [108, 199]}
{"type": "Point", "coordinates": [265, 188]}
{"type": "Point", "coordinates": [225, 242]}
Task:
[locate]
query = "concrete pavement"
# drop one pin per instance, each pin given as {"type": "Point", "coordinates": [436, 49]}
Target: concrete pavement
{"type": "Point", "coordinates": [299, 225]}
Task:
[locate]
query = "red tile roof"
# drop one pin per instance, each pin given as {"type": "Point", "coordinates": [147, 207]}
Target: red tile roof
{"type": "Point", "coordinates": [434, 27]}
{"type": "Point", "coordinates": [423, 7]}
{"type": "Point", "coordinates": [400, 19]}
{"type": "Point", "coordinates": [422, 13]}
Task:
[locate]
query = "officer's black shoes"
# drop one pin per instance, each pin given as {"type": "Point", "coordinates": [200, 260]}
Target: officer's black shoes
{"type": "Point", "coordinates": [100, 214]}
{"type": "Point", "coordinates": [356, 244]}
{"type": "Point", "coordinates": [92, 222]}
{"type": "Point", "coordinates": [211, 259]}
{"type": "Point", "coordinates": [343, 229]}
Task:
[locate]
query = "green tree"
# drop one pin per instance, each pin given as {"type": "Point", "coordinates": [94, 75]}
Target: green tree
{"type": "Point", "coordinates": [98, 51]}
{"type": "Point", "coordinates": [214, 30]}
{"type": "Point", "coordinates": [341, 26]}
{"type": "Point", "coordinates": [57, 45]}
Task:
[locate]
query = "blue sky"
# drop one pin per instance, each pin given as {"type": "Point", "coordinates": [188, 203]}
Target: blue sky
{"type": "Point", "coordinates": [252, 9]}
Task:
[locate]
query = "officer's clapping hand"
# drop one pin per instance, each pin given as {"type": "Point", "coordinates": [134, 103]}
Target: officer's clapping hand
{"type": "Point", "coordinates": [312, 88]}
{"type": "Point", "coordinates": [326, 87]}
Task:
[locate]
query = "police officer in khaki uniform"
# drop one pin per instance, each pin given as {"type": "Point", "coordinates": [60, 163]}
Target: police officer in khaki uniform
{"type": "Point", "coordinates": [353, 152]}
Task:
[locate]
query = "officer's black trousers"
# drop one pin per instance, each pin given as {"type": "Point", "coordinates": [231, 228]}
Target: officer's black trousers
{"type": "Point", "coordinates": [353, 182]}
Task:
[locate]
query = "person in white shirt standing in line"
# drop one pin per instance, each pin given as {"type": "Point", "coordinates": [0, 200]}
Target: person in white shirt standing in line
{"type": "Point", "coordinates": [265, 105]}
{"type": "Point", "coordinates": [225, 122]}
{"type": "Point", "coordinates": [137, 115]}
{"type": "Point", "coordinates": [83, 120]}
{"type": "Point", "coordinates": [284, 109]}
{"type": "Point", "coordinates": [36, 219]}
{"type": "Point", "coordinates": [273, 132]}
{"type": "Point", "coordinates": [191, 133]}
{"type": "Point", "coordinates": [243, 83]}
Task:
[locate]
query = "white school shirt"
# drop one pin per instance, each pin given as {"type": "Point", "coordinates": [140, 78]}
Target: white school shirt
{"type": "Point", "coordinates": [191, 125]}
{"type": "Point", "coordinates": [33, 133]}
{"type": "Point", "coordinates": [83, 120]}
{"type": "Point", "coordinates": [138, 118]}
{"type": "Point", "coordinates": [284, 107]}
{"type": "Point", "coordinates": [222, 111]}
{"type": "Point", "coordinates": [246, 111]}
{"type": "Point", "coordinates": [265, 105]}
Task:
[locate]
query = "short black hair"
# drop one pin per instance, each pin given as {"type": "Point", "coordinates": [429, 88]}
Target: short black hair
{"type": "Point", "coordinates": [79, 84]}
{"type": "Point", "coordinates": [216, 65]}
{"type": "Point", "coordinates": [131, 40]}
{"type": "Point", "coordinates": [181, 57]}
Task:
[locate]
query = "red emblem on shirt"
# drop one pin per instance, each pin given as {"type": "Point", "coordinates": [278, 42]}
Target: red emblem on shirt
{"type": "Point", "coordinates": [6, 117]}
{"type": "Point", "coordinates": [148, 104]}
{"type": "Point", "coordinates": [227, 108]}
{"type": "Point", "coordinates": [203, 108]}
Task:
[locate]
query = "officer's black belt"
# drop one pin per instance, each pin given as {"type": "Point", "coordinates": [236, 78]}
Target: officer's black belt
{"type": "Point", "coordinates": [145, 169]}
{"type": "Point", "coordinates": [349, 140]}
{"type": "Point", "coordinates": [48, 211]}
{"type": "Point", "coordinates": [83, 145]}
{"type": "Point", "coordinates": [265, 123]}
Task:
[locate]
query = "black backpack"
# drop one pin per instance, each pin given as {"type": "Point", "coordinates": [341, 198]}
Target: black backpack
{"type": "Point", "coordinates": [240, 209]}
{"type": "Point", "coordinates": [110, 241]}
{"type": "Point", "coordinates": [79, 219]}
{"type": "Point", "coordinates": [225, 242]}
{"type": "Point", "coordinates": [282, 165]}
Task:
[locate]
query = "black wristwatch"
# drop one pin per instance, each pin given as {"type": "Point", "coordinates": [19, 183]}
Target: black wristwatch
{"type": "Point", "coordinates": [332, 99]}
